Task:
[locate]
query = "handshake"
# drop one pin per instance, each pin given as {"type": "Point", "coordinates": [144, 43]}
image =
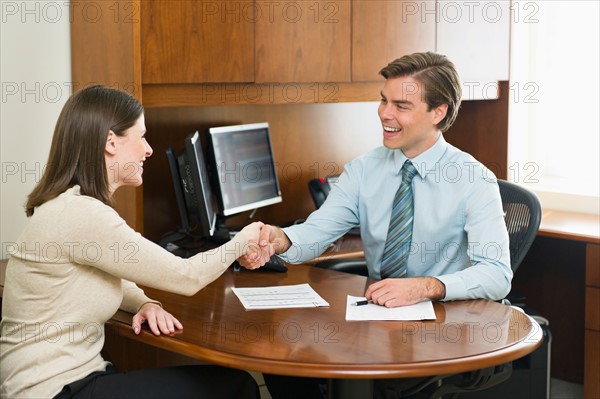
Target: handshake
{"type": "Point", "coordinates": [263, 241]}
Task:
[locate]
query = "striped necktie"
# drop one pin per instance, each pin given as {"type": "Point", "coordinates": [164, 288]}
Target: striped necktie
{"type": "Point", "coordinates": [395, 253]}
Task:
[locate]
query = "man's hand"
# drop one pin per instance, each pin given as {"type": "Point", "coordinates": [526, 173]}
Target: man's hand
{"type": "Point", "coordinates": [159, 320]}
{"type": "Point", "coordinates": [272, 240]}
{"type": "Point", "coordinates": [393, 292]}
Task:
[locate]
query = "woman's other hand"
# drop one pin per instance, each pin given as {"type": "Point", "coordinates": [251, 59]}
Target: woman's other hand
{"type": "Point", "coordinates": [158, 319]}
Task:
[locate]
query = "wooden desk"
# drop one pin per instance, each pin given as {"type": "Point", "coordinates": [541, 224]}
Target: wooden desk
{"type": "Point", "coordinates": [570, 226]}
{"type": "Point", "coordinates": [318, 342]}
{"type": "Point", "coordinates": [584, 231]}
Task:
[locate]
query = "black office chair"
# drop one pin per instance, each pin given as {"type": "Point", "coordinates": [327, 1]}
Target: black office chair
{"type": "Point", "coordinates": [522, 215]}
{"type": "Point", "coordinates": [528, 376]}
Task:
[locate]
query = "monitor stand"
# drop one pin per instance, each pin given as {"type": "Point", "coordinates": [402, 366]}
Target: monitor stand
{"type": "Point", "coordinates": [222, 233]}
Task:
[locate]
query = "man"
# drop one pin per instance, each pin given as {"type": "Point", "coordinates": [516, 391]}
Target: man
{"type": "Point", "coordinates": [459, 246]}
{"type": "Point", "coordinates": [439, 236]}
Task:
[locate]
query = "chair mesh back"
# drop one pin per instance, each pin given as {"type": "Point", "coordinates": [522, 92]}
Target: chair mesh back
{"type": "Point", "coordinates": [522, 215]}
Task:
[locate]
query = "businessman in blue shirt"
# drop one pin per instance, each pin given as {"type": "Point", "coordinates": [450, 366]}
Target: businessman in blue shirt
{"type": "Point", "coordinates": [458, 243]}
{"type": "Point", "coordinates": [459, 247]}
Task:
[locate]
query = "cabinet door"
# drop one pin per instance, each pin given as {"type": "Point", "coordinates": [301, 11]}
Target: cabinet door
{"type": "Point", "coordinates": [303, 41]}
{"type": "Point", "coordinates": [475, 36]}
{"type": "Point", "coordinates": [197, 41]}
{"type": "Point", "coordinates": [383, 30]}
{"type": "Point", "coordinates": [95, 59]}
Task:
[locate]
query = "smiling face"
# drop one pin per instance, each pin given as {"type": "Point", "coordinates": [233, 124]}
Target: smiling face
{"type": "Point", "coordinates": [125, 156]}
{"type": "Point", "coordinates": [407, 123]}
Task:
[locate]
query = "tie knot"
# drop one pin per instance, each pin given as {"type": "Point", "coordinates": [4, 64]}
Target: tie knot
{"type": "Point", "coordinates": [408, 172]}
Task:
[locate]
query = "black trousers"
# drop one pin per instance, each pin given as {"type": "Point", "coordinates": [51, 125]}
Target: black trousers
{"type": "Point", "coordinates": [170, 382]}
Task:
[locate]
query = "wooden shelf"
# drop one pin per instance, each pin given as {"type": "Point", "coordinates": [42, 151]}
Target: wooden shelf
{"type": "Point", "coordinates": [207, 94]}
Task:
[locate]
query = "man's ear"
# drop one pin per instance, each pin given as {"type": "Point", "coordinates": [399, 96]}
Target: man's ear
{"type": "Point", "coordinates": [439, 113]}
{"type": "Point", "coordinates": [111, 143]}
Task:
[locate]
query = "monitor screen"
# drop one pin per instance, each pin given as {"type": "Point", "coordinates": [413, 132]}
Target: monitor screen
{"type": "Point", "coordinates": [192, 189]}
{"type": "Point", "coordinates": [244, 173]}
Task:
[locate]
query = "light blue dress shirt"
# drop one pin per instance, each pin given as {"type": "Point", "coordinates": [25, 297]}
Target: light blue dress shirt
{"type": "Point", "coordinates": [459, 235]}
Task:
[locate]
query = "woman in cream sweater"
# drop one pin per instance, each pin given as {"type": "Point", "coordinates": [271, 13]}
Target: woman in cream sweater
{"type": "Point", "coordinates": [77, 262]}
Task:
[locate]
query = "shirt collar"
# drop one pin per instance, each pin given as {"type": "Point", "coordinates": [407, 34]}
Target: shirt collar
{"type": "Point", "coordinates": [426, 161]}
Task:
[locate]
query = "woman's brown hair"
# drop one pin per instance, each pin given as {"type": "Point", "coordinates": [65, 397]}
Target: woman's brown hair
{"type": "Point", "coordinates": [77, 150]}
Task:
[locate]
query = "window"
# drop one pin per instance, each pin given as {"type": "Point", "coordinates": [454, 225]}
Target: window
{"type": "Point", "coordinates": [554, 102]}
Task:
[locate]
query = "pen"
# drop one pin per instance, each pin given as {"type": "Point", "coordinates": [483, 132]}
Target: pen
{"type": "Point", "coordinates": [361, 303]}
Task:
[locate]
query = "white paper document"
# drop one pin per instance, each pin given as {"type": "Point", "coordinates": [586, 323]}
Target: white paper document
{"type": "Point", "coordinates": [286, 296]}
{"type": "Point", "coordinates": [418, 311]}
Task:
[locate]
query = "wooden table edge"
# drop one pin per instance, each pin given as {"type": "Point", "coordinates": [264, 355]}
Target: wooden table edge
{"type": "Point", "coordinates": [264, 365]}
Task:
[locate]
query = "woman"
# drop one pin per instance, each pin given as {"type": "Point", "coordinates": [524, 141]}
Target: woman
{"type": "Point", "coordinates": [77, 261]}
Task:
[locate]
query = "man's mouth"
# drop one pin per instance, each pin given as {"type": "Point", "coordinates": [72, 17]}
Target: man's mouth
{"type": "Point", "coordinates": [391, 133]}
{"type": "Point", "coordinates": [391, 129]}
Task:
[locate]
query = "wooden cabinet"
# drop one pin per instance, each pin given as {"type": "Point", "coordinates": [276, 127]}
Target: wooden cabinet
{"type": "Point", "coordinates": [592, 322]}
{"type": "Point", "coordinates": [565, 259]}
{"type": "Point", "coordinates": [383, 30]}
{"type": "Point", "coordinates": [204, 52]}
{"type": "Point", "coordinates": [303, 41]}
{"type": "Point", "coordinates": [196, 41]}
{"type": "Point", "coordinates": [475, 36]}
{"type": "Point", "coordinates": [245, 41]}
{"type": "Point", "coordinates": [179, 49]}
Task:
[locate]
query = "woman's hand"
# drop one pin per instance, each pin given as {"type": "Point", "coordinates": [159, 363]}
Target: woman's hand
{"type": "Point", "coordinates": [252, 233]}
{"type": "Point", "coordinates": [159, 320]}
{"type": "Point", "coordinates": [272, 240]}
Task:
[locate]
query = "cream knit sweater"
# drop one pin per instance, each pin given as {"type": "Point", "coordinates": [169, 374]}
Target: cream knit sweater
{"type": "Point", "coordinates": [72, 268]}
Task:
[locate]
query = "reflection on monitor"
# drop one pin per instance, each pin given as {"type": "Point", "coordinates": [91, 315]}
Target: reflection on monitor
{"type": "Point", "coordinates": [192, 191]}
{"type": "Point", "coordinates": [244, 173]}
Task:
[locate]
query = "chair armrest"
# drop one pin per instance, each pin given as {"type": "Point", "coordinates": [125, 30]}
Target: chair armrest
{"type": "Point", "coordinates": [353, 266]}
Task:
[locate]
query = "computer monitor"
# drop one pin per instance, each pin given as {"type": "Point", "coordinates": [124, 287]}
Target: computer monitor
{"type": "Point", "coordinates": [243, 167]}
{"type": "Point", "coordinates": [192, 191]}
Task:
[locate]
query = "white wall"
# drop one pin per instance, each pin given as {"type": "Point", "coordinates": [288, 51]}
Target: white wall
{"type": "Point", "coordinates": [35, 73]}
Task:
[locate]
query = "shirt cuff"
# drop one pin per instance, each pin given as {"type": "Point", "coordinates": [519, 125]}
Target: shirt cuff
{"type": "Point", "coordinates": [455, 287]}
{"type": "Point", "coordinates": [293, 238]}
{"type": "Point", "coordinates": [293, 254]}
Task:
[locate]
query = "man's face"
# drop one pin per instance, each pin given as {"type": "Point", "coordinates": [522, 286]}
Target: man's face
{"type": "Point", "coordinates": [407, 124]}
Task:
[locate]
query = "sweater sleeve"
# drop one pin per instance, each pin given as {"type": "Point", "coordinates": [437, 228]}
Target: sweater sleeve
{"type": "Point", "coordinates": [133, 297]}
{"type": "Point", "coordinates": [98, 237]}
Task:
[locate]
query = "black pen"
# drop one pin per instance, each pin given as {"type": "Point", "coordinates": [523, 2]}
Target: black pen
{"type": "Point", "coordinates": [361, 303]}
